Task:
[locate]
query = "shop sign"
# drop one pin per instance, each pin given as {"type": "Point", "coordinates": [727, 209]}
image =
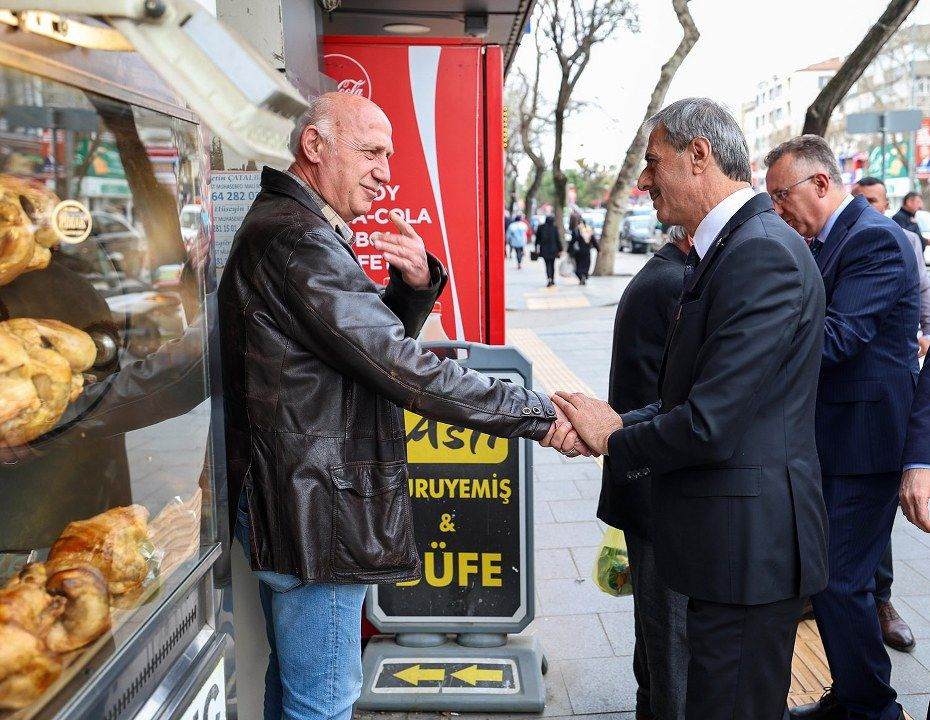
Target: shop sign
{"type": "Point", "coordinates": [469, 512]}
{"type": "Point", "coordinates": [71, 221]}
{"type": "Point", "coordinates": [105, 160]}
{"type": "Point", "coordinates": [232, 194]}
{"type": "Point", "coordinates": [437, 174]}
{"type": "Point", "coordinates": [210, 702]}
{"type": "Point", "coordinates": [446, 675]}
{"type": "Point", "coordinates": [923, 149]}
{"type": "Point", "coordinates": [895, 161]}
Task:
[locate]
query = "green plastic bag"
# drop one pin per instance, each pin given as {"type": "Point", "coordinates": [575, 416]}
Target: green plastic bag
{"type": "Point", "coordinates": [612, 565]}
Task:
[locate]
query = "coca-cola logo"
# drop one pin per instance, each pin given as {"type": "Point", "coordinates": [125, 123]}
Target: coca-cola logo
{"type": "Point", "coordinates": [349, 75]}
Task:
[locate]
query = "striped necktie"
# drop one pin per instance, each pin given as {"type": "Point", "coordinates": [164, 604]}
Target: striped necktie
{"type": "Point", "coordinates": [816, 246]}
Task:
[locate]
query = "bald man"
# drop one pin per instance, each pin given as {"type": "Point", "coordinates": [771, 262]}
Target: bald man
{"type": "Point", "coordinates": [317, 363]}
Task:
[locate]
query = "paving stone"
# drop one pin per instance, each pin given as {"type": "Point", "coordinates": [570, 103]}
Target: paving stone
{"type": "Point", "coordinates": [566, 535]}
{"type": "Point", "coordinates": [620, 630]}
{"type": "Point", "coordinates": [908, 580]}
{"type": "Point", "coordinates": [908, 675]}
{"type": "Point", "coordinates": [558, 473]}
{"type": "Point", "coordinates": [905, 547]}
{"type": "Point", "coordinates": [549, 490]}
{"type": "Point", "coordinates": [572, 597]}
{"type": "Point", "coordinates": [600, 685]}
{"type": "Point", "coordinates": [541, 512]}
{"type": "Point", "coordinates": [574, 510]}
{"type": "Point", "coordinates": [589, 488]}
{"type": "Point", "coordinates": [571, 637]}
{"type": "Point", "coordinates": [915, 705]}
{"type": "Point", "coordinates": [554, 563]}
{"type": "Point", "coordinates": [584, 559]}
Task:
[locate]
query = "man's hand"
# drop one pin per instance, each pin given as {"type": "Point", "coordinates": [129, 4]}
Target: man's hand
{"type": "Point", "coordinates": [915, 495]}
{"type": "Point", "coordinates": [923, 344]}
{"type": "Point", "coordinates": [563, 437]}
{"type": "Point", "coordinates": [404, 251]}
{"type": "Point", "coordinates": [594, 420]}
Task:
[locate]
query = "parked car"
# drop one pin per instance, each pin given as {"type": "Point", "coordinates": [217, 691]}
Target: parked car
{"type": "Point", "coordinates": [636, 233]}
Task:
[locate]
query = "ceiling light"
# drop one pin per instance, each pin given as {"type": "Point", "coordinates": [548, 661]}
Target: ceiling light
{"type": "Point", "coordinates": [406, 28]}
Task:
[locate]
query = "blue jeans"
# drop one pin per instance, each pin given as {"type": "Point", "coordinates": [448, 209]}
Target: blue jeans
{"type": "Point", "coordinates": [314, 631]}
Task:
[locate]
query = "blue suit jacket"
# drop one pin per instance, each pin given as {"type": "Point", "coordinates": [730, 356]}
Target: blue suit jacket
{"type": "Point", "coordinates": [869, 368]}
{"type": "Point", "coordinates": [917, 447]}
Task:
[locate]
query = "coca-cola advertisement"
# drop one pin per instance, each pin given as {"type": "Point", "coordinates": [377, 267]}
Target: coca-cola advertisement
{"type": "Point", "coordinates": [434, 96]}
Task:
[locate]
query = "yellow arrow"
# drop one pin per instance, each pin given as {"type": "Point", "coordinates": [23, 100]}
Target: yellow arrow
{"type": "Point", "coordinates": [473, 675]}
{"type": "Point", "coordinates": [414, 674]}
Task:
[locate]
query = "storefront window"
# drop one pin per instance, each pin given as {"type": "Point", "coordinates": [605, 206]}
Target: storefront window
{"type": "Point", "coordinates": [105, 472]}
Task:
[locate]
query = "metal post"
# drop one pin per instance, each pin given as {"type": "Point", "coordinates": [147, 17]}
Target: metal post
{"type": "Point", "coordinates": [883, 147]}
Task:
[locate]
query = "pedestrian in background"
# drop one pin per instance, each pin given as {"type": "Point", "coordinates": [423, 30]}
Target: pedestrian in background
{"type": "Point", "coordinates": [906, 215]}
{"type": "Point", "coordinates": [579, 247]}
{"type": "Point", "coordinates": [516, 238]}
{"type": "Point", "coordinates": [867, 378]}
{"type": "Point", "coordinates": [644, 315]}
{"type": "Point", "coordinates": [549, 247]}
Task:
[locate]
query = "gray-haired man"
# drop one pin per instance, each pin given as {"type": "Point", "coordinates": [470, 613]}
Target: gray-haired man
{"type": "Point", "coordinates": [730, 446]}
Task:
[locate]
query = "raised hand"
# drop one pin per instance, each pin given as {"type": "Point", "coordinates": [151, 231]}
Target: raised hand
{"type": "Point", "coordinates": [405, 251]}
{"type": "Point", "coordinates": [594, 420]}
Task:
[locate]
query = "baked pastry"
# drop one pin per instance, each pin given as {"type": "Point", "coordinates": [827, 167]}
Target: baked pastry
{"type": "Point", "coordinates": [27, 666]}
{"type": "Point", "coordinates": [56, 355]}
{"type": "Point", "coordinates": [26, 232]}
{"type": "Point", "coordinates": [114, 542]}
{"type": "Point", "coordinates": [86, 614]}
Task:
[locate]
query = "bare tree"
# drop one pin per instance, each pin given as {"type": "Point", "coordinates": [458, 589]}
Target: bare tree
{"type": "Point", "coordinates": [819, 112]}
{"type": "Point", "coordinates": [532, 126]}
{"type": "Point", "coordinates": [573, 29]}
{"type": "Point", "coordinates": [617, 200]}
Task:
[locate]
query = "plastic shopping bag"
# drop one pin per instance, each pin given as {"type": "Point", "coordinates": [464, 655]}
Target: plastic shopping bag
{"type": "Point", "coordinates": [612, 564]}
{"type": "Point", "coordinates": [566, 266]}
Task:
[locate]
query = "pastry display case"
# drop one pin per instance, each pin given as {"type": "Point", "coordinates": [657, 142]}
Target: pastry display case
{"type": "Point", "coordinates": [110, 530]}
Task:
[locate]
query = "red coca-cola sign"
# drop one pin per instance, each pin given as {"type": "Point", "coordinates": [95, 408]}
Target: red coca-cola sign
{"type": "Point", "coordinates": [349, 74]}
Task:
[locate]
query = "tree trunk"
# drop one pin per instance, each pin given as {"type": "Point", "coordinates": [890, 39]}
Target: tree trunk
{"type": "Point", "coordinates": [617, 200]}
{"type": "Point", "coordinates": [529, 199]}
{"type": "Point", "coordinates": [559, 181]}
{"type": "Point", "coordinates": [819, 112]}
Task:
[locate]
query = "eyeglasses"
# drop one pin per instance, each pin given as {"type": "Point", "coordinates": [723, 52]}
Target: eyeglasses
{"type": "Point", "coordinates": [780, 196]}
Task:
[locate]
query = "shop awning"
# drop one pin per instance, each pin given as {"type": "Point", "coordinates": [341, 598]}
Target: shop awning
{"type": "Point", "coordinates": [495, 22]}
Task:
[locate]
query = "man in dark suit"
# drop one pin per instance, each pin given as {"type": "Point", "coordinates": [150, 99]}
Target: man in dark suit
{"type": "Point", "coordinates": [867, 379]}
{"type": "Point", "coordinates": [738, 518]}
{"type": "Point", "coordinates": [906, 215]}
{"type": "Point", "coordinates": [644, 315]}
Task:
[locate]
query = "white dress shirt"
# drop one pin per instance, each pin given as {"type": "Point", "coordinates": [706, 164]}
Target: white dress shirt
{"type": "Point", "coordinates": [831, 221]}
{"type": "Point", "coordinates": [713, 223]}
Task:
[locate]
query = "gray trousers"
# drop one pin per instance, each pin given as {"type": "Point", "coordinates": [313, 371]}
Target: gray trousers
{"type": "Point", "coordinates": [660, 657]}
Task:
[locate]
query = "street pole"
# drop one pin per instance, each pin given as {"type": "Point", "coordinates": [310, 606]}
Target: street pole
{"type": "Point", "coordinates": [883, 147]}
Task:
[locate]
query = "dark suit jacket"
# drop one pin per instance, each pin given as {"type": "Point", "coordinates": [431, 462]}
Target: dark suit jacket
{"type": "Point", "coordinates": [644, 315]}
{"type": "Point", "coordinates": [906, 220]}
{"type": "Point", "coordinates": [736, 498]}
{"type": "Point", "coordinates": [869, 368]}
{"type": "Point", "coordinates": [917, 447]}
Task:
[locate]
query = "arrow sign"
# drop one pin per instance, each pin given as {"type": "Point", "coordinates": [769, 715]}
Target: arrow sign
{"type": "Point", "coordinates": [415, 674]}
{"type": "Point", "coordinates": [472, 675]}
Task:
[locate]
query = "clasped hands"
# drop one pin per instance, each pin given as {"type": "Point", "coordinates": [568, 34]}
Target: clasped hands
{"type": "Point", "coordinates": [582, 426]}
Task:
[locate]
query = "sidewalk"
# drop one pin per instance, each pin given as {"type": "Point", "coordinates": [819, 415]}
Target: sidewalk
{"type": "Point", "coordinates": [586, 634]}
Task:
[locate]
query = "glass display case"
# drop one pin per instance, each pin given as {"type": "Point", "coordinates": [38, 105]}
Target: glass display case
{"type": "Point", "coordinates": [109, 531]}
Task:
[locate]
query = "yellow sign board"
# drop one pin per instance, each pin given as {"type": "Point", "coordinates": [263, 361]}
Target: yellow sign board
{"type": "Point", "coordinates": [431, 441]}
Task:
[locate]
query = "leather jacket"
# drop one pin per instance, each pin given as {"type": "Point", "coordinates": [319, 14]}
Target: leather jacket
{"type": "Point", "coordinates": [317, 362]}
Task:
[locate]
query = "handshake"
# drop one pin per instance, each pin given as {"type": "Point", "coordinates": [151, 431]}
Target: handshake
{"type": "Point", "coordinates": [582, 425]}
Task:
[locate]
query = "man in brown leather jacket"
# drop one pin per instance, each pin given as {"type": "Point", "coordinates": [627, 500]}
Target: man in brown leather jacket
{"type": "Point", "coordinates": [317, 363]}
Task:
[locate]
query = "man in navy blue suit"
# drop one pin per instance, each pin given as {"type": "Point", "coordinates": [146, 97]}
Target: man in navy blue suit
{"type": "Point", "coordinates": [867, 379]}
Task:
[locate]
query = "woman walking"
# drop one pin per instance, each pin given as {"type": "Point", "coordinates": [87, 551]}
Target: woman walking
{"type": "Point", "coordinates": [580, 249]}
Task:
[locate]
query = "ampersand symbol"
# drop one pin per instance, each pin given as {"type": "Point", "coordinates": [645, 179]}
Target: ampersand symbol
{"type": "Point", "coordinates": [446, 524]}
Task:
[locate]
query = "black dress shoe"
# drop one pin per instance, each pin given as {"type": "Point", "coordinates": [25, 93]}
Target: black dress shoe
{"type": "Point", "coordinates": [827, 708]}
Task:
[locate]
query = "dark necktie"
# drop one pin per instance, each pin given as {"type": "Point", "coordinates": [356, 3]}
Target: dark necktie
{"type": "Point", "coordinates": [690, 264]}
{"type": "Point", "coordinates": [816, 246]}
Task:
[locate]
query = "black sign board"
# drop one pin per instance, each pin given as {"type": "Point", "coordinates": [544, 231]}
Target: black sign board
{"type": "Point", "coordinates": [471, 510]}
